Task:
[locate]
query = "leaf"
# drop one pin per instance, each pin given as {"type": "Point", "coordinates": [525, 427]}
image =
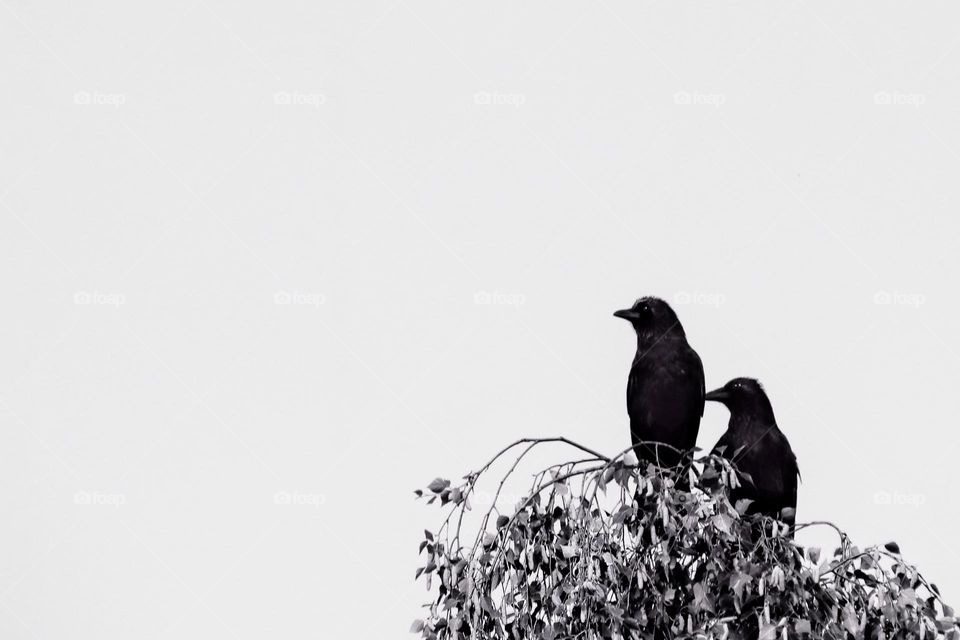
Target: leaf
{"type": "Point", "coordinates": [892, 547]}
{"type": "Point", "coordinates": [621, 515]}
{"type": "Point", "coordinates": [850, 621]}
{"type": "Point", "coordinates": [701, 599]}
{"type": "Point", "coordinates": [630, 459]}
{"type": "Point", "coordinates": [907, 598]}
{"type": "Point", "coordinates": [803, 626]}
{"type": "Point", "coordinates": [607, 476]}
{"type": "Point", "coordinates": [743, 504]}
{"type": "Point", "coordinates": [722, 522]}
{"type": "Point", "coordinates": [438, 485]}
{"type": "Point", "coordinates": [865, 577]}
{"type": "Point", "coordinates": [738, 582]}
{"type": "Point", "coordinates": [428, 535]}
{"type": "Point", "coordinates": [502, 521]}
{"type": "Point", "coordinates": [417, 626]}
{"type": "Point", "coordinates": [568, 551]}
{"type": "Point", "coordinates": [777, 578]}
{"type": "Point", "coordinates": [768, 632]}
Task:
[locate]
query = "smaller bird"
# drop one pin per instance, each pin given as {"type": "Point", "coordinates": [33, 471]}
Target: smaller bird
{"type": "Point", "coordinates": [758, 449]}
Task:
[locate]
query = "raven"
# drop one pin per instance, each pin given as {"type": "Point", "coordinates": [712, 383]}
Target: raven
{"type": "Point", "coordinates": [665, 387]}
{"type": "Point", "coordinates": [759, 451]}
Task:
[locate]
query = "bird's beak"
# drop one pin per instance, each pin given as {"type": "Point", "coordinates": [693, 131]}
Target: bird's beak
{"type": "Point", "coordinates": [627, 314]}
{"type": "Point", "coordinates": [717, 395]}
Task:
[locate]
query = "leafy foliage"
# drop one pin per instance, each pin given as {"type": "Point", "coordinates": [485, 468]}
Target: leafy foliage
{"type": "Point", "coordinates": [609, 548]}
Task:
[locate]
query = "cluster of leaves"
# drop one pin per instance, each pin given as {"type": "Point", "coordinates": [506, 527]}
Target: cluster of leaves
{"type": "Point", "coordinates": [609, 548]}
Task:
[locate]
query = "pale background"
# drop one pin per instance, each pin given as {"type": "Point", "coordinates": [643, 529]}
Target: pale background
{"type": "Point", "coordinates": [242, 246]}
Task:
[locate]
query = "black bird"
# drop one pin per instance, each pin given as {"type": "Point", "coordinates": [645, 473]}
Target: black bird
{"type": "Point", "coordinates": [757, 447]}
{"type": "Point", "coordinates": [665, 388]}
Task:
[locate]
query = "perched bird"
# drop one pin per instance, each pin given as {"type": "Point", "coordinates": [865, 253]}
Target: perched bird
{"type": "Point", "coordinates": [665, 387]}
{"type": "Point", "coordinates": [757, 448]}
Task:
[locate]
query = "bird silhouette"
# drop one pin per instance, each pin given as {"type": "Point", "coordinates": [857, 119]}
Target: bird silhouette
{"type": "Point", "coordinates": [665, 388]}
{"type": "Point", "coordinates": [758, 449]}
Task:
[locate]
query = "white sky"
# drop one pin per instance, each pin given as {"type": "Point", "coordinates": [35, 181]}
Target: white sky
{"type": "Point", "coordinates": [379, 164]}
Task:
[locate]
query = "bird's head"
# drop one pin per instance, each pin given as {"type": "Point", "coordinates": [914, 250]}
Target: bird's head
{"type": "Point", "coordinates": [651, 316]}
{"type": "Point", "coordinates": [743, 396]}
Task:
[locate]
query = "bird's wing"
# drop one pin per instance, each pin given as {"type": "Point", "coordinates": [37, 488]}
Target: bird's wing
{"type": "Point", "coordinates": [780, 470]}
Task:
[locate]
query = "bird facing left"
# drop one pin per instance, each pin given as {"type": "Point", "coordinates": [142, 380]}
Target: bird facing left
{"type": "Point", "coordinates": [665, 387]}
{"type": "Point", "coordinates": [755, 445]}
